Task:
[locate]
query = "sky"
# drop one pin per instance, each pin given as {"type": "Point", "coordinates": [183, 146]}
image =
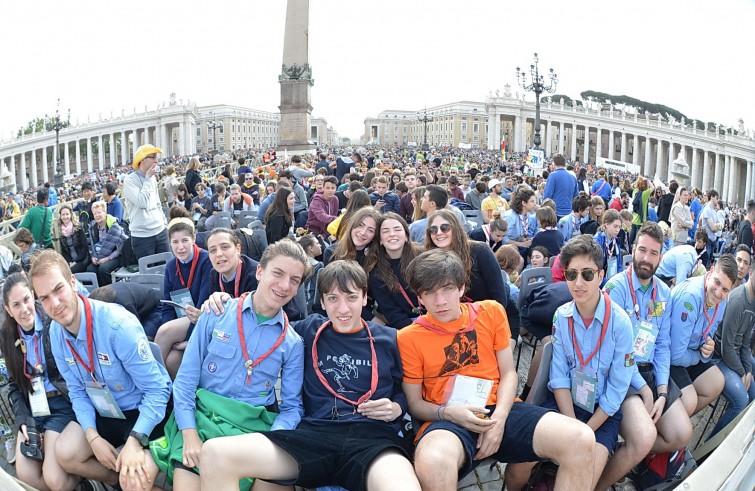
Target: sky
{"type": "Point", "coordinates": [367, 57]}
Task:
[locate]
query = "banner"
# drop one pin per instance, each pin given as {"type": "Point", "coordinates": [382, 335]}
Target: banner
{"type": "Point", "coordinates": [618, 165]}
{"type": "Point", "coordinates": [465, 145]}
{"type": "Point", "coordinates": [535, 159]}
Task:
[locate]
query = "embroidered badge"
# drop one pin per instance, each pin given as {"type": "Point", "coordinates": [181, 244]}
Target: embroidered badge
{"type": "Point", "coordinates": [629, 359]}
{"type": "Point", "coordinates": [103, 358]}
{"type": "Point", "coordinates": [609, 286]}
{"type": "Point", "coordinates": [684, 316]}
{"type": "Point", "coordinates": [71, 361]}
{"type": "Point", "coordinates": [689, 306]}
{"type": "Point", "coordinates": [212, 367]}
{"type": "Point", "coordinates": [118, 387]}
{"type": "Point", "coordinates": [221, 335]}
{"type": "Point", "coordinates": [658, 309]}
{"type": "Point", "coordinates": [143, 349]}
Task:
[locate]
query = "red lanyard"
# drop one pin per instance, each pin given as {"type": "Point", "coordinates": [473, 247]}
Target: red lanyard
{"type": "Point", "coordinates": [90, 340]}
{"type": "Point", "coordinates": [705, 308]}
{"type": "Point", "coordinates": [194, 262]}
{"type": "Point", "coordinates": [634, 297]}
{"type": "Point", "coordinates": [523, 221]}
{"type": "Point", "coordinates": [472, 309]}
{"type": "Point", "coordinates": [38, 366]}
{"type": "Point", "coordinates": [415, 310]}
{"type": "Point", "coordinates": [324, 382]}
{"type": "Point", "coordinates": [606, 319]}
{"type": "Point", "coordinates": [249, 364]}
{"type": "Point", "coordinates": [236, 282]}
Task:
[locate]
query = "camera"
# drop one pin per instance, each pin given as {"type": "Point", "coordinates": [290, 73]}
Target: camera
{"type": "Point", "coordinates": [33, 449]}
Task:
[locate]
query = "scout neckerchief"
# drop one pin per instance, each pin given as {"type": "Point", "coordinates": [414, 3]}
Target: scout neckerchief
{"type": "Point", "coordinates": [249, 364]}
{"type": "Point", "coordinates": [236, 282]}
{"type": "Point", "coordinates": [194, 262]}
{"type": "Point", "coordinates": [523, 221]}
{"type": "Point", "coordinates": [705, 308]}
{"type": "Point", "coordinates": [37, 368]}
{"type": "Point", "coordinates": [324, 381]}
{"type": "Point", "coordinates": [471, 308]}
{"type": "Point", "coordinates": [634, 297]}
{"type": "Point", "coordinates": [90, 340]}
{"type": "Point", "coordinates": [606, 318]}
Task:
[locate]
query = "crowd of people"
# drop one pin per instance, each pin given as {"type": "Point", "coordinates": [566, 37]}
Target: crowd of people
{"type": "Point", "coordinates": [390, 284]}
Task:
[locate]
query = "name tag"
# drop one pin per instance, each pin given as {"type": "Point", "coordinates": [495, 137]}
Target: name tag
{"type": "Point", "coordinates": [103, 400]}
{"type": "Point", "coordinates": [644, 341]}
{"type": "Point", "coordinates": [468, 391]}
{"type": "Point", "coordinates": [38, 398]}
{"type": "Point", "coordinates": [584, 383]}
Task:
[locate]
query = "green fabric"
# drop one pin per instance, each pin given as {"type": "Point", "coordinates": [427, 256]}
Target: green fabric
{"type": "Point", "coordinates": [39, 225]}
{"type": "Point", "coordinates": [216, 416]}
{"type": "Point", "coordinates": [645, 288]}
{"type": "Point", "coordinates": [262, 318]}
{"type": "Point", "coordinates": [636, 218]}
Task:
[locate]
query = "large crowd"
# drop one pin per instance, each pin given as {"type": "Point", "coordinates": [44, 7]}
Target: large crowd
{"type": "Point", "coordinates": [311, 307]}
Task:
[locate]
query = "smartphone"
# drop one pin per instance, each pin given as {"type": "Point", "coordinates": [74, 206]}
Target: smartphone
{"type": "Point", "coordinates": [174, 304]}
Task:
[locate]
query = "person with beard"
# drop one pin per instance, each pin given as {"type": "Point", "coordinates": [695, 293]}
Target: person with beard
{"type": "Point", "coordinates": [656, 421]}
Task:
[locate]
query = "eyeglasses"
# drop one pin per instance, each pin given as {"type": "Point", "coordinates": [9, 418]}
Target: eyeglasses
{"type": "Point", "coordinates": [444, 228]}
{"type": "Point", "coordinates": [587, 274]}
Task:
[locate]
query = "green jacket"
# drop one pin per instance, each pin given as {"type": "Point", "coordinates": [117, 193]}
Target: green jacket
{"type": "Point", "coordinates": [39, 222]}
{"type": "Point", "coordinates": [215, 416]}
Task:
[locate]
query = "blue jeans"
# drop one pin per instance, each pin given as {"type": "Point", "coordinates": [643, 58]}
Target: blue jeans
{"type": "Point", "coordinates": [735, 394]}
{"type": "Point", "coordinates": [146, 246]}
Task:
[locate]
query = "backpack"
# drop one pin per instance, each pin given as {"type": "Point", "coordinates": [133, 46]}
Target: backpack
{"type": "Point", "coordinates": [663, 471]}
{"type": "Point", "coordinates": [637, 203]}
{"type": "Point", "coordinates": [250, 244]}
{"type": "Point", "coordinates": [462, 205]}
{"type": "Point", "coordinates": [162, 191]}
{"type": "Point", "coordinates": [311, 285]}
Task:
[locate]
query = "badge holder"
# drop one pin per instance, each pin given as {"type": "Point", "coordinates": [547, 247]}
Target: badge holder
{"type": "Point", "coordinates": [103, 400]}
{"type": "Point", "coordinates": [182, 297]}
{"type": "Point", "coordinates": [583, 386]}
{"type": "Point", "coordinates": [644, 341]}
{"type": "Point", "coordinates": [612, 268]}
{"type": "Point", "coordinates": [463, 390]}
{"type": "Point", "coordinates": [38, 398]}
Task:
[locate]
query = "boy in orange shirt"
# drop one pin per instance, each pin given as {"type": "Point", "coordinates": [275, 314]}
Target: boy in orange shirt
{"type": "Point", "coordinates": [472, 340]}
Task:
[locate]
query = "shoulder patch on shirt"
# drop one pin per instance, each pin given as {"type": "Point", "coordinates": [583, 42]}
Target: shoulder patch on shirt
{"type": "Point", "coordinates": [143, 349]}
{"type": "Point", "coordinates": [221, 335]}
{"type": "Point", "coordinates": [629, 359]}
{"type": "Point", "coordinates": [103, 358]}
{"type": "Point", "coordinates": [609, 286]}
{"type": "Point", "coordinates": [71, 361]}
{"type": "Point", "coordinates": [689, 306]}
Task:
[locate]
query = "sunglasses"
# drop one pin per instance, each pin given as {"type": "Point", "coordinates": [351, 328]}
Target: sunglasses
{"type": "Point", "coordinates": [587, 274]}
{"type": "Point", "coordinates": [444, 228]}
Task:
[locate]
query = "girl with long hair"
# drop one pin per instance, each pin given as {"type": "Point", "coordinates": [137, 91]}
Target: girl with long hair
{"type": "Point", "coordinates": [73, 239]}
{"type": "Point", "coordinates": [280, 216]}
{"type": "Point", "coordinates": [611, 243]}
{"type": "Point", "coordinates": [358, 236]}
{"type": "Point", "coordinates": [36, 385]}
{"type": "Point", "coordinates": [388, 285]}
{"type": "Point", "coordinates": [416, 200]}
{"type": "Point", "coordinates": [357, 200]}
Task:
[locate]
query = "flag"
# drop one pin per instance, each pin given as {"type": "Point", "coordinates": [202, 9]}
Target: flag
{"type": "Point", "coordinates": [503, 147]}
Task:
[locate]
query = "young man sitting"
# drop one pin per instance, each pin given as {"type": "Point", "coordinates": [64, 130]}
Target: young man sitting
{"type": "Point", "coordinates": [456, 343]}
{"type": "Point", "coordinates": [592, 362]}
{"type": "Point", "coordinates": [353, 406]}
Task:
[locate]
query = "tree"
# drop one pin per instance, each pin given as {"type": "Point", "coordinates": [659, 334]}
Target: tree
{"type": "Point", "coordinates": [36, 125]}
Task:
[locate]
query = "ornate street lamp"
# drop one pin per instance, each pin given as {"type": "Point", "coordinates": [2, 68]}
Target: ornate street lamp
{"type": "Point", "coordinates": [214, 125]}
{"type": "Point", "coordinates": [56, 124]}
{"type": "Point", "coordinates": [425, 119]}
{"type": "Point", "coordinates": [536, 85]}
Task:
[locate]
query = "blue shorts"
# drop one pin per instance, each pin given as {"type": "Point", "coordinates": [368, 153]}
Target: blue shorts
{"type": "Point", "coordinates": [607, 434]}
{"type": "Point", "coordinates": [61, 413]}
{"type": "Point", "coordinates": [518, 434]}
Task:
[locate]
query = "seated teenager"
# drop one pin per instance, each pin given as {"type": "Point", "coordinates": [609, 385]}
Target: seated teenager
{"type": "Point", "coordinates": [186, 282]}
{"type": "Point", "coordinates": [74, 244]}
{"type": "Point", "coordinates": [547, 236]}
{"type": "Point", "coordinates": [225, 385]}
{"type": "Point", "coordinates": [388, 285]}
{"type": "Point", "coordinates": [457, 339]}
{"type": "Point", "coordinates": [609, 241]}
{"type": "Point", "coordinates": [279, 218]}
{"type": "Point", "coordinates": [569, 225]}
{"type": "Point", "coordinates": [353, 406]}
{"type": "Point", "coordinates": [654, 418]}
{"type": "Point", "coordinates": [38, 392]}
{"type": "Point", "coordinates": [592, 362]}
{"type": "Point", "coordinates": [539, 257]}
{"type": "Point", "coordinates": [697, 307]}
{"type": "Point", "coordinates": [595, 216]}
{"type": "Point", "coordinates": [522, 225]}
{"type": "Point", "coordinates": [492, 233]}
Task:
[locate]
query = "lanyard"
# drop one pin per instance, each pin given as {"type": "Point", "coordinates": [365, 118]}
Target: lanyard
{"type": "Point", "coordinates": [472, 309]}
{"type": "Point", "coordinates": [634, 297]}
{"type": "Point", "coordinates": [249, 364]}
{"type": "Point", "coordinates": [705, 308]}
{"type": "Point", "coordinates": [523, 221]}
{"type": "Point", "coordinates": [606, 319]}
{"type": "Point", "coordinates": [415, 310]}
{"type": "Point", "coordinates": [323, 380]}
{"type": "Point", "coordinates": [236, 282]}
{"type": "Point", "coordinates": [38, 366]}
{"type": "Point", "coordinates": [194, 262]}
{"type": "Point", "coordinates": [90, 340]}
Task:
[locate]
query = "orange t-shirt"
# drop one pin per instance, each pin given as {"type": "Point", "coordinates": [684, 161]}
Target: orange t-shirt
{"type": "Point", "coordinates": [431, 359]}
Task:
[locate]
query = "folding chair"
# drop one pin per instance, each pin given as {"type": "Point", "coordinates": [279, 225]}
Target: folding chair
{"type": "Point", "coordinates": [473, 216]}
{"type": "Point", "coordinates": [89, 280]}
{"type": "Point", "coordinates": [627, 260]}
{"type": "Point", "coordinates": [152, 280]}
{"type": "Point", "coordinates": [539, 392]}
{"type": "Point", "coordinates": [154, 264]}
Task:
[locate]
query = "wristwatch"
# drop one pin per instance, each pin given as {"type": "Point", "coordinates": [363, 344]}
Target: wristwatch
{"type": "Point", "coordinates": [141, 438]}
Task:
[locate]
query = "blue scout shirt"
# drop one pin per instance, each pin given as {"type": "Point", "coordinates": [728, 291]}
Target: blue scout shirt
{"type": "Point", "coordinates": [658, 313]}
{"type": "Point", "coordinates": [213, 360]}
{"type": "Point", "coordinates": [569, 226]}
{"type": "Point", "coordinates": [613, 361]}
{"type": "Point", "coordinates": [124, 363]}
{"type": "Point", "coordinates": [516, 228]}
{"type": "Point", "coordinates": [678, 262]}
{"type": "Point", "coordinates": [31, 353]}
{"type": "Point", "coordinates": [689, 323]}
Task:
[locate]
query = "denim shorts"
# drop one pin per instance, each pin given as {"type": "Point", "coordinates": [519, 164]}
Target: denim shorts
{"type": "Point", "coordinates": [61, 413]}
{"type": "Point", "coordinates": [518, 434]}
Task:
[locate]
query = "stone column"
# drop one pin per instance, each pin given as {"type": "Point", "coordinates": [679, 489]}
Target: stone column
{"type": "Point", "coordinates": [33, 180]}
{"type": "Point", "coordinates": [647, 167]}
{"type": "Point", "coordinates": [611, 147]}
{"type": "Point", "coordinates": [707, 163]}
{"type": "Point", "coordinates": [518, 133]}
{"type": "Point", "coordinates": [598, 144]}
{"type": "Point", "coordinates": [135, 137]}
{"type": "Point", "coordinates": [113, 161]}
{"type": "Point", "coordinates": [147, 139]}
{"type": "Point", "coordinates": [586, 146]}
{"type": "Point", "coordinates": [561, 136]}
{"type": "Point", "coordinates": [733, 178]}
{"type": "Point", "coordinates": [636, 149]}
{"type": "Point", "coordinates": [671, 158]}
{"type": "Point", "coordinates": [77, 151]}
{"type": "Point", "coordinates": [67, 159]}
{"type": "Point", "coordinates": [718, 162]}
{"type": "Point", "coordinates": [574, 141]}
{"type": "Point", "coordinates": [182, 137]}
{"type": "Point", "coordinates": [748, 182]}
{"type": "Point", "coordinates": [695, 177]}
{"type": "Point", "coordinates": [545, 138]}
{"type": "Point", "coordinates": [623, 146]}
{"type": "Point", "coordinates": [45, 176]}
{"type": "Point", "coordinates": [124, 148]}
{"type": "Point", "coordinates": [727, 176]}
{"type": "Point", "coordinates": [491, 130]}
{"type": "Point", "coordinates": [659, 167]}
{"type": "Point", "coordinates": [23, 183]}
{"type": "Point", "coordinates": [100, 153]}
{"type": "Point", "coordinates": [90, 157]}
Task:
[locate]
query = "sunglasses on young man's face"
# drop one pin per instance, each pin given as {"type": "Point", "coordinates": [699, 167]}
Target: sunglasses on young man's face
{"type": "Point", "coordinates": [444, 228]}
{"type": "Point", "coordinates": [587, 274]}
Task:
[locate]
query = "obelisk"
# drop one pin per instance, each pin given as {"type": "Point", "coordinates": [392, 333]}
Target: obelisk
{"type": "Point", "coordinates": [296, 81]}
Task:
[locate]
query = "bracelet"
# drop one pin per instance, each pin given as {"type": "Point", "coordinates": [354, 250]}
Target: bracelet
{"type": "Point", "coordinates": [437, 412]}
{"type": "Point", "coordinates": [663, 394]}
{"type": "Point", "coordinates": [93, 439]}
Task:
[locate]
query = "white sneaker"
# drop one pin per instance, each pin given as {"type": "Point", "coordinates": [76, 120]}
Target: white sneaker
{"type": "Point", "coordinates": [10, 449]}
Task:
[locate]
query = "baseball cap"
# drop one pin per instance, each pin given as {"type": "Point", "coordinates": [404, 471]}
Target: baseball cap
{"type": "Point", "coordinates": [493, 183]}
{"type": "Point", "coordinates": [143, 151]}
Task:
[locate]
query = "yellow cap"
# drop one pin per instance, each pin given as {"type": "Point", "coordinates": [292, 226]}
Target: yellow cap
{"type": "Point", "coordinates": [143, 151]}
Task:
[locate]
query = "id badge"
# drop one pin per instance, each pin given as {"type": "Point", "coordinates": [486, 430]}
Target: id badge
{"type": "Point", "coordinates": [644, 341]}
{"type": "Point", "coordinates": [103, 400]}
{"type": "Point", "coordinates": [38, 398]}
{"type": "Point", "coordinates": [465, 390]}
{"type": "Point", "coordinates": [611, 270]}
{"type": "Point", "coordinates": [583, 385]}
{"type": "Point", "coordinates": [182, 297]}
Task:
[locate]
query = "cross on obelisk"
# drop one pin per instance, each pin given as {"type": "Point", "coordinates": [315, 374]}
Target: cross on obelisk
{"type": "Point", "coordinates": [296, 81]}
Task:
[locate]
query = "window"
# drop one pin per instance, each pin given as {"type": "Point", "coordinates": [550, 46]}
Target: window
{"type": "Point", "coordinates": [475, 127]}
{"type": "Point", "coordinates": [463, 126]}
{"type": "Point", "coordinates": [199, 131]}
